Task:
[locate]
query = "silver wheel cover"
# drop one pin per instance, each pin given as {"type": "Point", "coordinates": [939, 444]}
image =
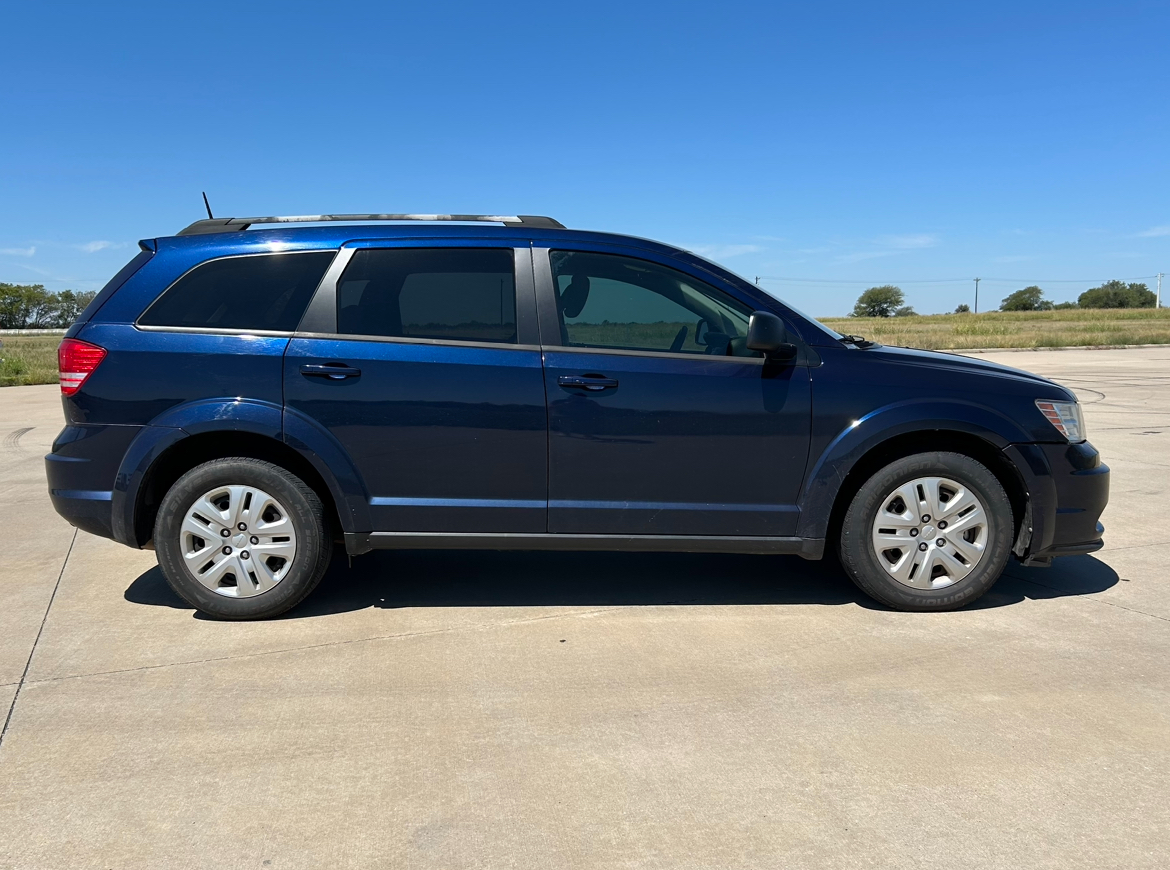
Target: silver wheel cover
{"type": "Point", "coordinates": [238, 541]}
{"type": "Point", "coordinates": [930, 533]}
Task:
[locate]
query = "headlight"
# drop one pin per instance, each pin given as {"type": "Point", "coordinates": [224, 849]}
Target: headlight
{"type": "Point", "coordinates": [1066, 417]}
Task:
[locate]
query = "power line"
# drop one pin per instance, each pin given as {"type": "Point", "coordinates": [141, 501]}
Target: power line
{"type": "Point", "coordinates": [952, 280]}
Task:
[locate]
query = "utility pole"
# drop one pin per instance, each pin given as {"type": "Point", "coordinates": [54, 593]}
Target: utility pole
{"type": "Point", "coordinates": [758, 281]}
{"type": "Point", "coordinates": [1158, 301]}
{"type": "Point", "coordinates": [977, 280]}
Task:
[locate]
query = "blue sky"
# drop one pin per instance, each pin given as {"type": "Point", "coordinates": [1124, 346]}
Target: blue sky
{"type": "Point", "coordinates": [842, 144]}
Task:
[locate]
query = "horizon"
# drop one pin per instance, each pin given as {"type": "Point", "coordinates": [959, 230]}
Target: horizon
{"type": "Point", "coordinates": [823, 150]}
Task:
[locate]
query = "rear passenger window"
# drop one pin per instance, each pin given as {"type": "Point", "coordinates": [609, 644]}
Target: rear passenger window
{"type": "Point", "coordinates": [459, 294]}
{"type": "Point", "coordinates": [261, 291]}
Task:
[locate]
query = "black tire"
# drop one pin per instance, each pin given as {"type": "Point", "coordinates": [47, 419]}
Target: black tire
{"type": "Point", "coordinates": [314, 546]}
{"type": "Point", "coordinates": [860, 560]}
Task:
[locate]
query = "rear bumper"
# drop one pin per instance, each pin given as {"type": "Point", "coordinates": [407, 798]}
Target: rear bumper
{"type": "Point", "coordinates": [89, 510]}
{"type": "Point", "coordinates": [1068, 488]}
{"type": "Point", "coordinates": [81, 472]}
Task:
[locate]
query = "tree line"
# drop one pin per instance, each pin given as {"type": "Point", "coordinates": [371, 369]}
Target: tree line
{"type": "Point", "coordinates": [889, 301]}
{"type": "Point", "coordinates": [31, 306]}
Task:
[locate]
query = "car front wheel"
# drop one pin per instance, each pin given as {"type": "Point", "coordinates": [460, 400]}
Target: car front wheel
{"type": "Point", "coordinates": [931, 531]}
{"type": "Point", "coordinates": [241, 539]}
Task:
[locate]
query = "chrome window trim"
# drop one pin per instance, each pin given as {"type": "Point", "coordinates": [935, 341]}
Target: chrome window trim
{"type": "Point", "coordinates": [404, 339]}
{"type": "Point", "coordinates": [664, 354]}
{"type": "Point", "coordinates": [213, 330]}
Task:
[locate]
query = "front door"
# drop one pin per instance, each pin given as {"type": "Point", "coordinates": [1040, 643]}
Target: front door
{"type": "Point", "coordinates": [661, 421]}
{"type": "Point", "coordinates": [423, 363]}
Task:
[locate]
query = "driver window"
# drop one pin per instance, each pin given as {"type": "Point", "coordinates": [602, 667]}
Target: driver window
{"type": "Point", "coordinates": [606, 300]}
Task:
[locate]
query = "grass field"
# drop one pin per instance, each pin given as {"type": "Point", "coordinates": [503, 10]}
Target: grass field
{"type": "Point", "coordinates": [28, 359]}
{"type": "Point", "coordinates": [1071, 328]}
{"type": "Point", "coordinates": [32, 359]}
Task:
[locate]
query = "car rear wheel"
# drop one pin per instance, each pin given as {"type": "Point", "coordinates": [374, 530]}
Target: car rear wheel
{"type": "Point", "coordinates": [931, 531]}
{"type": "Point", "coordinates": [241, 539]}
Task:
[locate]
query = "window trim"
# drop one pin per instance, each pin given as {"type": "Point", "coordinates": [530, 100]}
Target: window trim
{"type": "Point", "coordinates": [656, 354]}
{"type": "Point", "coordinates": [216, 330]}
{"type": "Point", "coordinates": [230, 330]}
{"type": "Point", "coordinates": [408, 339]}
{"type": "Point", "coordinates": [320, 320]}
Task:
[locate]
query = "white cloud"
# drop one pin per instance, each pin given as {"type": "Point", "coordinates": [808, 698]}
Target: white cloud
{"type": "Point", "coordinates": [720, 252]}
{"type": "Point", "coordinates": [1154, 232]}
{"type": "Point", "coordinates": [864, 255]}
{"type": "Point", "coordinates": [93, 247]}
{"type": "Point", "coordinates": [887, 246]}
{"type": "Point", "coordinates": [18, 252]}
{"type": "Point", "coordinates": [906, 243]}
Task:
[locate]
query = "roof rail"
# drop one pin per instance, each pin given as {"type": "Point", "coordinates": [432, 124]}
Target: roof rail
{"type": "Point", "coordinates": [228, 225]}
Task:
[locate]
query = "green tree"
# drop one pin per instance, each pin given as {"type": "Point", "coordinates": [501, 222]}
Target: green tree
{"type": "Point", "coordinates": [1117, 294]}
{"type": "Point", "coordinates": [963, 308]}
{"type": "Point", "coordinates": [1028, 299]}
{"type": "Point", "coordinates": [68, 305]}
{"type": "Point", "coordinates": [881, 301]}
{"type": "Point", "coordinates": [31, 306]}
{"type": "Point", "coordinates": [1064, 306]}
{"type": "Point", "coordinates": [905, 311]}
{"type": "Point", "coordinates": [22, 305]}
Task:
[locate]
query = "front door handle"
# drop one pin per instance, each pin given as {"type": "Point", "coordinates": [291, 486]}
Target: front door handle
{"type": "Point", "coordinates": [333, 371]}
{"type": "Point", "coordinates": [588, 382]}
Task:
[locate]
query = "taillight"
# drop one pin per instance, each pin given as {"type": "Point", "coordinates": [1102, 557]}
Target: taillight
{"type": "Point", "coordinates": [76, 361]}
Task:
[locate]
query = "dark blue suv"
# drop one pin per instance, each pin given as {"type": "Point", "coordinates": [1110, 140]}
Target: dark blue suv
{"type": "Point", "coordinates": [243, 400]}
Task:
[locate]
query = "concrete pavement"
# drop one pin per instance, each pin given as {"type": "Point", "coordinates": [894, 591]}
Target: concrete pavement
{"type": "Point", "coordinates": [463, 709]}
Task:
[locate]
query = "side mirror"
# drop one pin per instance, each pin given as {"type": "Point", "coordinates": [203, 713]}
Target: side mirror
{"type": "Point", "coordinates": [766, 333]}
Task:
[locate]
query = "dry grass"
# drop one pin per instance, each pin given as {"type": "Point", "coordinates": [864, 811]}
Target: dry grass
{"type": "Point", "coordinates": [28, 359]}
{"type": "Point", "coordinates": [1072, 328]}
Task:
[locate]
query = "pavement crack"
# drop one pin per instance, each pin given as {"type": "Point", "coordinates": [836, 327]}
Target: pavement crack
{"type": "Point", "coordinates": [1130, 609]}
{"type": "Point", "coordinates": [323, 645]}
{"type": "Point", "coordinates": [1066, 594]}
{"type": "Point", "coordinates": [24, 675]}
{"type": "Point", "coordinates": [1134, 547]}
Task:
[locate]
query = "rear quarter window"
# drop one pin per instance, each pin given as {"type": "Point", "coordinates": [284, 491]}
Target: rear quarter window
{"type": "Point", "coordinates": [256, 291]}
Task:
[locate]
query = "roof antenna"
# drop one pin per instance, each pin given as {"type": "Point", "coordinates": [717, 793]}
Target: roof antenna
{"type": "Point", "coordinates": [207, 205]}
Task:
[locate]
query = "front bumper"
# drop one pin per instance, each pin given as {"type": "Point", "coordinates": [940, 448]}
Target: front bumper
{"type": "Point", "coordinates": [1068, 488]}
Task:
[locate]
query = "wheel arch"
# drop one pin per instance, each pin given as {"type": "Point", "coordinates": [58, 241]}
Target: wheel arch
{"type": "Point", "coordinates": [187, 452]}
{"type": "Point", "coordinates": [929, 441]}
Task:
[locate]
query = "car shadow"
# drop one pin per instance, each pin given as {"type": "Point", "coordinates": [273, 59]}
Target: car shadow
{"type": "Point", "coordinates": [467, 578]}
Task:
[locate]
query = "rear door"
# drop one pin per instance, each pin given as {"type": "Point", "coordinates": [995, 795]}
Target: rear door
{"type": "Point", "coordinates": [661, 422]}
{"type": "Point", "coordinates": [422, 360]}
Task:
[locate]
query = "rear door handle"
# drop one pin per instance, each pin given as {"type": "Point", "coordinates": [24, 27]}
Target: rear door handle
{"type": "Point", "coordinates": [333, 371]}
{"type": "Point", "coordinates": [588, 382]}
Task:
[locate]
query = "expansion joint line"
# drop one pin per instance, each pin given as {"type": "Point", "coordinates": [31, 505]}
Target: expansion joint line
{"type": "Point", "coordinates": [36, 640]}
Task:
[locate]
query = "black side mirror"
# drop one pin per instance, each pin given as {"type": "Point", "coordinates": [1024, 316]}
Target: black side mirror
{"type": "Point", "coordinates": [766, 333]}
